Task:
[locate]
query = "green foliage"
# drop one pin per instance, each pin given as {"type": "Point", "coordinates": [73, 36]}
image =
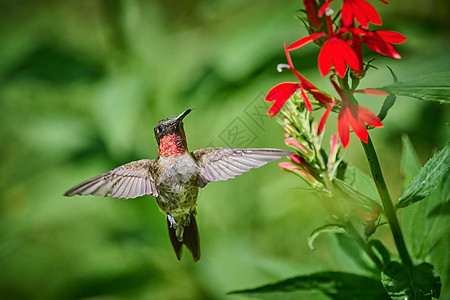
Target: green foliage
{"type": "Point", "coordinates": [389, 101]}
{"type": "Point", "coordinates": [361, 184]}
{"type": "Point", "coordinates": [430, 87]}
{"type": "Point", "coordinates": [425, 223]}
{"type": "Point", "coordinates": [428, 179]}
{"type": "Point", "coordinates": [421, 282]}
{"type": "Point", "coordinates": [336, 285]}
{"type": "Point", "coordinates": [329, 228]}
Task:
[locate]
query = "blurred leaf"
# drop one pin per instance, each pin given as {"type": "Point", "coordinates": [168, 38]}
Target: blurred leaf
{"type": "Point", "coordinates": [334, 228]}
{"type": "Point", "coordinates": [421, 228]}
{"type": "Point", "coordinates": [336, 285]}
{"type": "Point", "coordinates": [441, 209]}
{"type": "Point", "coordinates": [361, 182]}
{"type": "Point", "coordinates": [117, 107]}
{"type": "Point", "coordinates": [387, 104]}
{"type": "Point", "coordinates": [54, 135]}
{"type": "Point", "coordinates": [389, 101]}
{"type": "Point", "coordinates": [394, 76]}
{"type": "Point", "coordinates": [428, 179]}
{"type": "Point", "coordinates": [354, 194]}
{"type": "Point", "coordinates": [431, 87]}
{"type": "Point", "coordinates": [55, 65]}
{"type": "Point", "coordinates": [355, 252]}
{"type": "Point", "coordinates": [439, 258]}
{"type": "Point", "coordinates": [381, 249]}
{"type": "Point", "coordinates": [409, 162]}
{"type": "Point", "coordinates": [112, 284]}
{"type": "Point", "coordinates": [422, 283]}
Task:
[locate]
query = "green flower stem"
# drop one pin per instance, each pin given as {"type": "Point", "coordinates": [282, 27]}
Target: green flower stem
{"type": "Point", "coordinates": [366, 247]}
{"type": "Point", "coordinates": [388, 206]}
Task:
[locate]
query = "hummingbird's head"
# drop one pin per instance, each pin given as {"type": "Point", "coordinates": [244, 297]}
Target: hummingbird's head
{"type": "Point", "coordinates": [169, 134]}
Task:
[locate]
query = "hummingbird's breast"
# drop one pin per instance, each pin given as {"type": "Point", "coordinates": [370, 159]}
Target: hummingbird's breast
{"type": "Point", "coordinates": [177, 185]}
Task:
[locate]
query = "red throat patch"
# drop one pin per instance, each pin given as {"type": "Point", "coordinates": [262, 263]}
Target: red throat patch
{"type": "Point", "coordinates": [171, 145]}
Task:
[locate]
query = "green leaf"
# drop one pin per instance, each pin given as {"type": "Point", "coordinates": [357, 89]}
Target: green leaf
{"type": "Point", "coordinates": [421, 283]}
{"type": "Point", "coordinates": [55, 65]}
{"type": "Point", "coordinates": [355, 252]}
{"type": "Point", "coordinates": [428, 178]}
{"type": "Point", "coordinates": [354, 194]}
{"type": "Point", "coordinates": [439, 259]}
{"type": "Point", "coordinates": [360, 181]}
{"type": "Point", "coordinates": [336, 285]}
{"type": "Point", "coordinates": [381, 249]}
{"type": "Point", "coordinates": [430, 87]}
{"type": "Point", "coordinates": [387, 104]}
{"type": "Point", "coordinates": [424, 223]}
{"type": "Point", "coordinates": [409, 162]}
{"type": "Point", "coordinates": [334, 228]}
{"type": "Point", "coordinates": [389, 101]}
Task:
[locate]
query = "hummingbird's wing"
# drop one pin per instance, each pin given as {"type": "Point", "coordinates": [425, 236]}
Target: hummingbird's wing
{"type": "Point", "coordinates": [225, 163]}
{"type": "Point", "coordinates": [127, 181]}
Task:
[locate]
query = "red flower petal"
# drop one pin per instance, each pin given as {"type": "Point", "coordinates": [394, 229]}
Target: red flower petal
{"type": "Point", "coordinates": [360, 16]}
{"type": "Point", "coordinates": [338, 53]}
{"type": "Point", "coordinates": [322, 98]}
{"type": "Point", "coordinates": [280, 94]}
{"type": "Point", "coordinates": [347, 13]}
{"type": "Point", "coordinates": [374, 92]}
{"type": "Point", "coordinates": [297, 159]}
{"type": "Point", "coordinates": [380, 46]}
{"type": "Point", "coordinates": [357, 123]}
{"type": "Point", "coordinates": [306, 100]}
{"type": "Point", "coordinates": [391, 36]}
{"type": "Point", "coordinates": [288, 56]}
{"type": "Point", "coordinates": [303, 41]}
{"type": "Point", "coordinates": [311, 10]}
{"type": "Point", "coordinates": [325, 58]}
{"type": "Point", "coordinates": [378, 41]}
{"type": "Point", "coordinates": [286, 165]}
{"type": "Point", "coordinates": [343, 129]}
{"type": "Point", "coordinates": [367, 13]}
{"type": "Point", "coordinates": [324, 7]}
{"type": "Point", "coordinates": [324, 118]}
{"type": "Point", "coordinates": [349, 54]}
{"type": "Point", "coordinates": [296, 144]}
{"type": "Point", "coordinates": [333, 144]}
{"type": "Point", "coordinates": [369, 117]}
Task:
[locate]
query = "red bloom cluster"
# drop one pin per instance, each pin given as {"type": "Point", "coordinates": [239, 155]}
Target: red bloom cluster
{"type": "Point", "coordinates": [342, 45]}
{"type": "Point", "coordinates": [340, 48]}
{"type": "Point", "coordinates": [283, 91]}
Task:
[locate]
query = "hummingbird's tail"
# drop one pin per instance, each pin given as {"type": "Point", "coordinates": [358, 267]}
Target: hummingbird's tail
{"type": "Point", "coordinates": [190, 238]}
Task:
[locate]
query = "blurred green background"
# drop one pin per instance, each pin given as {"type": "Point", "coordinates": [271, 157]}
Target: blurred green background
{"type": "Point", "coordinates": [82, 84]}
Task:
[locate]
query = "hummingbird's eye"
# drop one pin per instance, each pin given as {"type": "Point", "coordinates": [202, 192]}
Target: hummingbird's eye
{"type": "Point", "coordinates": [158, 129]}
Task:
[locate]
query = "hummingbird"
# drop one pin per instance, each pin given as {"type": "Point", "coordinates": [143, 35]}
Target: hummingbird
{"type": "Point", "coordinates": [175, 177]}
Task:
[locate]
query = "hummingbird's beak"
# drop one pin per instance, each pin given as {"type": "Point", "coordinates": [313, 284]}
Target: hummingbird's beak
{"type": "Point", "coordinates": [182, 115]}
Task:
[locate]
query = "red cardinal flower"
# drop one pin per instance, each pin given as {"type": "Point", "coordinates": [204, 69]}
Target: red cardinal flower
{"type": "Point", "coordinates": [324, 118]}
{"type": "Point", "coordinates": [280, 94]}
{"type": "Point", "coordinates": [283, 91]}
{"type": "Point", "coordinates": [360, 10]}
{"type": "Point", "coordinates": [354, 115]}
{"type": "Point", "coordinates": [307, 85]}
{"type": "Point", "coordinates": [335, 51]}
{"type": "Point", "coordinates": [287, 166]}
{"type": "Point", "coordinates": [311, 12]}
{"type": "Point", "coordinates": [338, 53]}
{"type": "Point", "coordinates": [380, 41]}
